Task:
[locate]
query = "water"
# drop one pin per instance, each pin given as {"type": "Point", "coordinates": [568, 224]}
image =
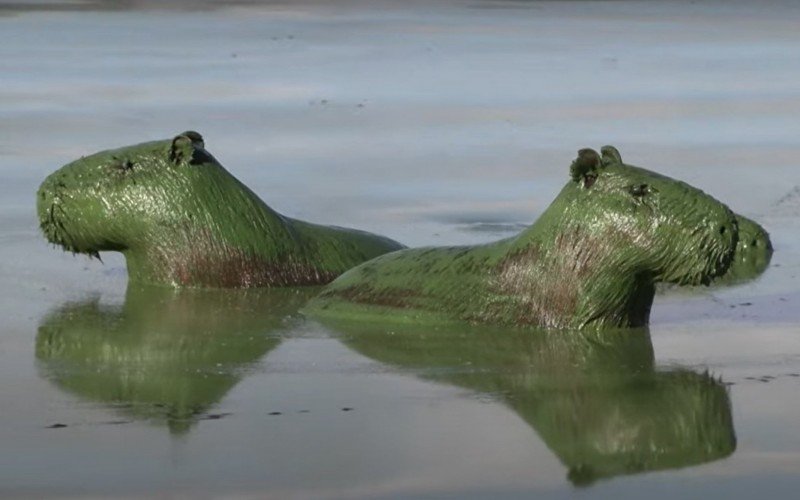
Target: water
{"type": "Point", "coordinates": [432, 125]}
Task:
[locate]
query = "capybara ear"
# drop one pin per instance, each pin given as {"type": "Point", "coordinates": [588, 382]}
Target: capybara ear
{"type": "Point", "coordinates": [584, 167]}
{"type": "Point", "coordinates": [184, 145]}
{"type": "Point", "coordinates": [610, 155]}
{"type": "Point", "coordinates": [195, 137]}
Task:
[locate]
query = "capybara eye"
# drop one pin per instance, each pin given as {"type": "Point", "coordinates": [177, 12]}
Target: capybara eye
{"type": "Point", "coordinates": [639, 190]}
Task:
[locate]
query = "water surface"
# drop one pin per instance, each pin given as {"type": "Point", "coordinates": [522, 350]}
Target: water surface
{"type": "Point", "coordinates": [433, 125]}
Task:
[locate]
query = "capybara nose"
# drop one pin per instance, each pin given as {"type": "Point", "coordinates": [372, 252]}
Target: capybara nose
{"type": "Point", "coordinates": [761, 241]}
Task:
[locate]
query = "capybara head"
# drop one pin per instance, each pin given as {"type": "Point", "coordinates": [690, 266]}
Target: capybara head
{"type": "Point", "coordinates": [652, 225]}
{"type": "Point", "coordinates": [151, 193]}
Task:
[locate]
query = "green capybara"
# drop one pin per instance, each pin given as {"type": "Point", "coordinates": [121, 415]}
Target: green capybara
{"type": "Point", "coordinates": [181, 219]}
{"type": "Point", "coordinates": [592, 258]}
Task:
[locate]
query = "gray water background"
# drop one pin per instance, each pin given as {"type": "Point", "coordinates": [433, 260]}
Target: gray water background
{"type": "Point", "coordinates": [431, 123]}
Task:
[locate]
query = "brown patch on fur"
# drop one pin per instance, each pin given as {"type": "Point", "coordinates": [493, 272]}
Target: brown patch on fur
{"type": "Point", "coordinates": [206, 262]}
{"type": "Point", "coordinates": [238, 269]}
{"type": "Point", "coordinates": [547, 283]}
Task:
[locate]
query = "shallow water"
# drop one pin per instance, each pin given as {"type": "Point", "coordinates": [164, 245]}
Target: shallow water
{"type": "Point", "coordinates": [451, 124]}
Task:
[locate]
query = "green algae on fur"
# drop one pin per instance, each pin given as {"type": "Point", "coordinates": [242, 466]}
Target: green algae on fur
{"type": "Point", "coordinates": [596, 398]}
{"type": "Point", "coordinates": [750, 259]}
{"type": "Point", "coordinates": [592, 259]}
{"type": "Point", "coordinates": [181, 219]}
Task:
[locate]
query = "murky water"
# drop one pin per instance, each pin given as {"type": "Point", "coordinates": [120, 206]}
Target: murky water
{"type": "Point", "coordinates": [433, 125]}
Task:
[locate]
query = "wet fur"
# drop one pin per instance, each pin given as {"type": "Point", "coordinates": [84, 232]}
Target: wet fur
{"type": "Point", "coordinates": [593, 258]}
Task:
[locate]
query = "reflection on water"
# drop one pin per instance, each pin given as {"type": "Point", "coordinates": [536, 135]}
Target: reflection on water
{"type": "Point", "coordinates": [166, 356]}
{"type": "Point", "coordinates": [596, 398]}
